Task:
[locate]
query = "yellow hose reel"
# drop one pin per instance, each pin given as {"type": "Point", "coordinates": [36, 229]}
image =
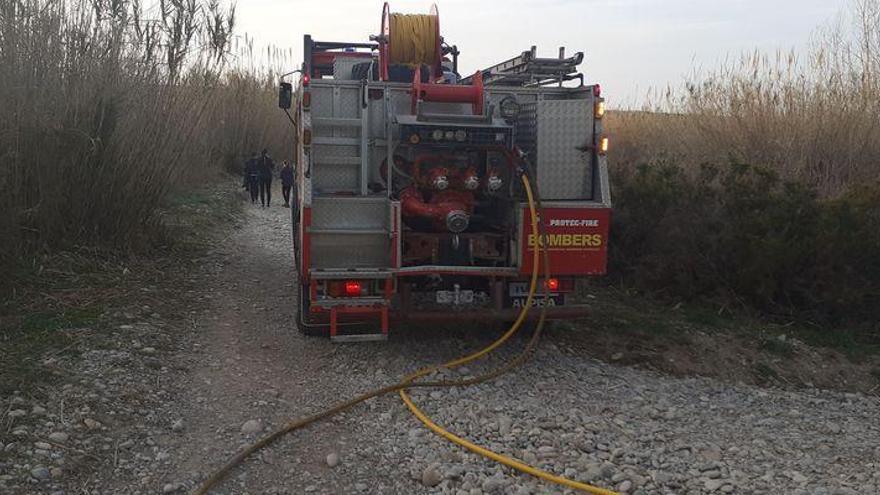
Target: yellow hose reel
{"type": "Point", "coordinates": [409, 39]}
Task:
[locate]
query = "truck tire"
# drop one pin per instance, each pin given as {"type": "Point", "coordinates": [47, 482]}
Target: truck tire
{"type": "Point", "coordinates": [305, 318]}
{"type": "Point", "coordinates": [361, 71]}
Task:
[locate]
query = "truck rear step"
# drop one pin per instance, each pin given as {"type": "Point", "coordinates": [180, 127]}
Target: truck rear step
{"type": "Point", "coordinates": [380, 309]}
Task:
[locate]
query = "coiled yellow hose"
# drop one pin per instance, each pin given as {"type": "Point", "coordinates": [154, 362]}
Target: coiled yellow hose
{"type": "Point", "coordinates": [413, 39]}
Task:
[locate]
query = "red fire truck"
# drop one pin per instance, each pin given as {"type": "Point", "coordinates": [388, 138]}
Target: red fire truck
{"type": "Point", "coordinates": [407, 201]}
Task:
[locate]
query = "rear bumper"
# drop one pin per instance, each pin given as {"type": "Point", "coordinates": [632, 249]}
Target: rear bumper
{"type": "Point", "coordinates": [553, 313]}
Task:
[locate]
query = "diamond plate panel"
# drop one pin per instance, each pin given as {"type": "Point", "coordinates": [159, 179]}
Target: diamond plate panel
{"type": "Point", "coordinates": [336, 167]}
{"type": "Point", "coordinates": [401, 100]}
{"type": "Point", "coordinates": [306, 192]}
{"type": "Point", "coordinates": [322, 101]}
{"type": "Point", "coordinates": [398, 102]}
{"type": "Point", "coordinates": [527, 129]}
{"type": "Point", "coordinates": [564, 172]}
{"type": "Point", "coordinates": [349, 103]}
{"type": "Point", "coordinates": [323, 153]}
{"type": "Point", "coordinates": [350, 213]}
{"type": "Point", "coordinates": [348, 107]}
{"type": "Point", "coordinates": [344, 251]}
{"type": "Point", "coordinates": [376, 111]}
{"type": "Point", "coordinates": [335, 177]}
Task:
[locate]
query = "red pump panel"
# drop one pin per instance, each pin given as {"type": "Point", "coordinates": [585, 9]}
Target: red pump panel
{"type": "Point", "coordinates": [576, 238]}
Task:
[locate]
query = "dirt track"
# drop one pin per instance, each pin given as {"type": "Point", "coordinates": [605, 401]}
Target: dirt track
{"type": "Point", "coordinates": [241, 363]}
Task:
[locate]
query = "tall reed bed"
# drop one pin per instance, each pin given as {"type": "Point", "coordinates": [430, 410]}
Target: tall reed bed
{"type": "Point", "coordinates": [106, 105]}
{"type": "Point", "coordinates": [758, 185]}
{"type": "Point", "coordinates": [814, 119]}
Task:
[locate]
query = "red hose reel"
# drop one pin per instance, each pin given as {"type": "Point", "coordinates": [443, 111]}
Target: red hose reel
{"type": "Point", "coordinates": [448, 93]}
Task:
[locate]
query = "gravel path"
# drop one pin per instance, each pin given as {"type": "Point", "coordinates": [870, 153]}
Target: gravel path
{"type": "Point", "coordinates": [184, 403]}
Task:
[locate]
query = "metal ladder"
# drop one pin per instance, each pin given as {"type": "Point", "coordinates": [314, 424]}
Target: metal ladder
{"type": "Point", "coordinates": [327, 130]}
{"type": "Point", "coordinates": [527, 69]}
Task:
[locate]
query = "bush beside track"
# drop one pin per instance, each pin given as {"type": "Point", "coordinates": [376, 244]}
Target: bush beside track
{"type": "Point", "coordinates": [740, 235]}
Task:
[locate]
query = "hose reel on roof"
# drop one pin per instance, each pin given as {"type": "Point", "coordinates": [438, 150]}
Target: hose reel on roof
{"type": "Point", "coordinates": [413, 40]}
{"type": "Point", "coordinates": [409, 39]}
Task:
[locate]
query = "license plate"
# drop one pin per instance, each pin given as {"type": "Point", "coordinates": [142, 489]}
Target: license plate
{"type": "Point", "coordinates": [518, 294]}
{"type": "Point", "coordinates": [454, 297]}
{"type": "Point", "coordinates": [521, 289]}
{"type": "Point", "coordinates": [539, 301]}
{"type": "Point", "coordinates": [518, 289]}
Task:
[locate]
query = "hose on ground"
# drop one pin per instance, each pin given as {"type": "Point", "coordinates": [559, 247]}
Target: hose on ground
{"type": "Point", "coordinates": [409, 382]}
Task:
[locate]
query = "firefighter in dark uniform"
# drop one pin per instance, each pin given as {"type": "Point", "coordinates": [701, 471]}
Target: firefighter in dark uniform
{"type": "Point", "coordinates": [252, 177]}
{"type": "Point", "coordinates": [265, 168]}
{"type": "Point", "coordinates": [286, 176]}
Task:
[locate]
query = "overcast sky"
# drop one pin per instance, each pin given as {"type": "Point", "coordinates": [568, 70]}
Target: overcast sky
{"type": "Point", "coordinates": [629, 45]}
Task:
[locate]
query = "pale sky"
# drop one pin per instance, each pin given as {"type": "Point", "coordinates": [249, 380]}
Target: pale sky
{"type": "Point", "coordinates": [629, 45]}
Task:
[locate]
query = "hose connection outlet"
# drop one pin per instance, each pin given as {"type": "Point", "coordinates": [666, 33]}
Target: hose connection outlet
{"type": "Point", "coordinates": [457, 221]}
{"type": "Point", "coordinates": [471, 182]}
{"type": "Point", "coordinates": [440, 183]}
{"type": "Point", "coordinates": [494, 183]}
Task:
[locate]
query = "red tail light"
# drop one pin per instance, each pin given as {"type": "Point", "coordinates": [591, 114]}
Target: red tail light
{"type": "Point", "coordinates": [597, 90]}
{"type": "Point", "coordinates": [352, 288]}
{"type": "Point", "coordinates": [560, 285]}
{"type": "Point", "coordinates": [306, 79]}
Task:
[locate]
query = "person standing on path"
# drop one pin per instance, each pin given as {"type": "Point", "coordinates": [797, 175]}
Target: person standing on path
{"type": "Point", "coordinates": [252, 177]}
{"type": "Point", "coordinates": [286, 176]}
{"type": "Point", "coordinates": [265, 167]}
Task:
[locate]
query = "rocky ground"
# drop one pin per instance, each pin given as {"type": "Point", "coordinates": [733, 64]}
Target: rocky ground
{"type": "Point", "coordinates": [161, 403]}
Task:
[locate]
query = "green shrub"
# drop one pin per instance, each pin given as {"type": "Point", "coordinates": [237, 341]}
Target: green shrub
{"type": "Point", "coordinates": [741, 235]}
{"type": "Point", "coordinates": [847, 271]}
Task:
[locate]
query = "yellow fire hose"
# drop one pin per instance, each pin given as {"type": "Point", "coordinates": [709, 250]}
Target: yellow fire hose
{"type": "Point", "coordinates": [413, 39]}
{"type": "Point", "coordinates": [409, 382]}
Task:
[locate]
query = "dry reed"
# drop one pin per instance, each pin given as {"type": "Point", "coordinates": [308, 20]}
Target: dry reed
{"type": "Point", "coordinates": [107, 105]}
{"type": "Point", "coordinates": [815, 119]}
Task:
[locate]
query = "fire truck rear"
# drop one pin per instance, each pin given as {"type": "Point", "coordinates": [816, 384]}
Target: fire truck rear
{"type": "Point", "coordinates": [407, 201]}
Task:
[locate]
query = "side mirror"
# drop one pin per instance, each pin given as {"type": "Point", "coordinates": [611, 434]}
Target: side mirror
{"type": "Point", "coordinates": [285, 95]}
